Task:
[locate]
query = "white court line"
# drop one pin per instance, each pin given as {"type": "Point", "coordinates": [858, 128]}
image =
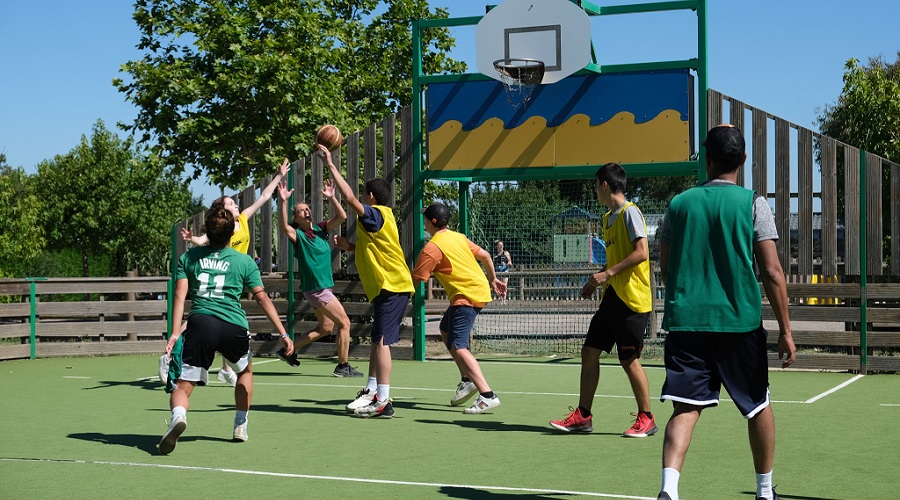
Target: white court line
{"type": "Point", "coordinates": [335, 478]}
{"type": "Point", "coordinates": [887, 404]}
{"type": "Point", "coordinates": [834, 389]}
{"type": "Point", "coordinates": [73, 376]}
{"type": "Point", "coordinates": [155, 377]}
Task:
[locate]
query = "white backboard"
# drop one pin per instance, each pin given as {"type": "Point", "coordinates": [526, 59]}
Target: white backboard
{"type": "Point", "coordinates": [556, 32]}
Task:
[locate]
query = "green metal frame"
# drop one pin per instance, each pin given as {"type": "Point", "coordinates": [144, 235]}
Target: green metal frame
{"type": "Point", "coordinates": [465, 177]}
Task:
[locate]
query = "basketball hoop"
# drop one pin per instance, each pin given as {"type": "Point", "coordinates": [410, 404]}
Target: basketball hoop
{"type": "Point", "coordinates": [519, 77]}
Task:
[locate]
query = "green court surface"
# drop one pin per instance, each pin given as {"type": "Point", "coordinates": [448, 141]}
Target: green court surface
{"type": "Point", "coordinates": [88, 428]}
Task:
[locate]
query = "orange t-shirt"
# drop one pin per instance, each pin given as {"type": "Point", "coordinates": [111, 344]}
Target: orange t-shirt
{"type": "Point", "coordinates": [432, 259]}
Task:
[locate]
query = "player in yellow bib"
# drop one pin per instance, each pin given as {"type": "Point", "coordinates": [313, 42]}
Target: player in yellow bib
{"type": "Point", "coordinates": [453, 259]}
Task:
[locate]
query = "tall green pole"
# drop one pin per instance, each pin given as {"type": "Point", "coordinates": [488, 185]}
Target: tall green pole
{"type": "Point", "coordinates": [464, 207]}
{"type": "Point", "coordinates": [33, 315]}
{"type": "Point", "coordinates": [418, 193]}
{"type": "Point", "coordinates": [863, 269]}
{"type": "Point", "coordinates": [703, 84]}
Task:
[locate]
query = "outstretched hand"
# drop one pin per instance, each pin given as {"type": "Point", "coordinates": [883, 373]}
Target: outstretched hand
{"type": "Point", "coordinates": [342, 243]}
{"type": "Point", "coordinates": [328, 190]}
{"type": "Point", "coordinates": [284, 168]}
{"type": "Point", "coordinates": [283, 193]}
{"type": "Point", "coordinates": [325, 154]}
{"type": "Point", "coordinates": [498, 286]}
{"type": "Point", "coordinates": [186, 234]}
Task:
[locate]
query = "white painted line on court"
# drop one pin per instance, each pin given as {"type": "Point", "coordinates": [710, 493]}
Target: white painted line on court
{"type": "Point", "coordinates": [335, 478]}
{"type": "Point", "coordinates": [73, 376]}
{"type": "Point", "coordinates": [156, 377]}
{"type": "Point", "coordinates": [834, 389]}
{"type": "Point", "coordinates": [887, 404]}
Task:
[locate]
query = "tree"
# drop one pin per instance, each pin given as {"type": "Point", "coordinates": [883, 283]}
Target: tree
{"type": "Point", "coordinates": [21, 234]}
{"type": "Point", "coordinates": [104, 198]}
{"type": "Point", "coordinates": [230, 87]}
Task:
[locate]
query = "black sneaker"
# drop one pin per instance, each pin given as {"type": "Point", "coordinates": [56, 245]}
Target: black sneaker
{"type": "Point", "coordinates": [663, 496]}
{"type": "Point", "coordinates": [774, 496]}
{"type": "Point", "coordinates": [291, 360]}
{"type": "Point", "coordinates": [346, 371]}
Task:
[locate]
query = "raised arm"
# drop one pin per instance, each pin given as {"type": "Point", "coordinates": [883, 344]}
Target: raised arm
{"type": "Point", "coordinates": [342, 186]}
{"type": "Point", "coordinates": [283, 195]}
{"type": "Point", "coordinates": [259, 295]}
{"type": "Point", "coordinates": [197, 241]}
{"type": "Point", "coordinates": [772, 277]}
{"type": "Point", "coordinates": [266, 194]}
{"type": "Point", "coordinates": [339, 215]}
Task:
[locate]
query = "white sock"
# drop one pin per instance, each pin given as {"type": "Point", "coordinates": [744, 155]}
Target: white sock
{"type": "Point", "coordinates": [670, 479]}
{"type": "Point", "coordinates": [240, 417]}
{"type": "Point", "coordinates": [179, 411]}
{"type": "Point", "coordinates": [384, 392]}
{"type": "Point", "coordinates": [372, 384]}
{"type": "Point", "coordinates": [764, 486]}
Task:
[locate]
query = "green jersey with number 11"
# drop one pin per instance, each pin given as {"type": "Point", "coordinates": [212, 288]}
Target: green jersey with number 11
{"type": "Point", "coordinates": [216, 280]}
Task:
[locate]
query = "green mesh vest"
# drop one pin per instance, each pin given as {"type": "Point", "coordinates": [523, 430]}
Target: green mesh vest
{"type": "Point", "coordinates": [711, 286]}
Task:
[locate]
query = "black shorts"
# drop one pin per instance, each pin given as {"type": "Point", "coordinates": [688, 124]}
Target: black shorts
{"type": "Point", "coordinates": [389, 310]}
{"type": "Point", "coordinates": [205, 335]}
{"type": "Point", "coordinates": [699, 363]}
{"type": "Point", "coordinates": [615, 323]}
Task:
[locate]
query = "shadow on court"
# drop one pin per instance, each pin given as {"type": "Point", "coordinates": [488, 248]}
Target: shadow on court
{"type": "Point", "coordinates": [151, 384]}
{"type": "Point", "coordinates": [142, 442]}
{"type": "Point", "coordinates": [794, 497]}
{"type": "Point", "coordinates": [501, 426]}
{"type": "Point", "coordinates": [476, 494]}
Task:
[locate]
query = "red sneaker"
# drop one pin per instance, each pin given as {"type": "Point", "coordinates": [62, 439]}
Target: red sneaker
{"type": "Point", "coordinates": [643, 426]}
{"type": "Point", "coordinates": [574, 422]}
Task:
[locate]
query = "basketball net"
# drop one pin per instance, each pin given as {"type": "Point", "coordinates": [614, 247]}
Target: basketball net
{"type": "Point", "coordinates": [519, 78]}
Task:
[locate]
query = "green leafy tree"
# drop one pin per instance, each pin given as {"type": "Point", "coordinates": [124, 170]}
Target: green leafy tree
{"type": "Point", "coordinates": [21, 234]}
{"type": "Point", "coordinates": [229, 88]}
{"type": "Point", "coordinates": [105, 199]}
{"type": "Point", "coordinates": [867, 116]}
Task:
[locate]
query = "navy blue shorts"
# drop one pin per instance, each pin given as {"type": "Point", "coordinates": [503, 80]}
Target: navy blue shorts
{"type": "Point", "coordinates": [457, 324]}
{"type": "Point", "coordinates": [389, 310]}
{"type": "Point", "coordinates": [615, 323]}
{"type": "Point", "coordinates": [698, 364]}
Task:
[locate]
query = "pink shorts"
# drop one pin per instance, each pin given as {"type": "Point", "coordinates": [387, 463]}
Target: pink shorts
{"type": "Point", "coordinates": [318, 298]}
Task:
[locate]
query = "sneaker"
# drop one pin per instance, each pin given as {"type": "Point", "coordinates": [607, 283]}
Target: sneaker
{"type": "Point", "coordinates": [774, 496]}
{"type": "Point", "coordinates": [170, 438]}
{"type": "Point", "coordinates": [291, 360]}
{"type": "Point", "coordinates": [363, 398]}
{"type": "Point", "coordinates": [240, 432]}
{"type": "Point", "coordinates": [663, 496]}
{"type": "Point", "coordinates": [643, 426]}
{"type": "Point", "coordinates": [227, 377]}
{"type": "Point", "coordinates": [483, 404]}
{"type": "Point", "coordinates": [464, 391]}
{"type": "Point", "coordinates": [376, 409]}
{"type": "Point", "coordinates": [164, 368]}
{"type": "Point", "coordinates": [346, 371]}
{"type": "Point", "coordinates": [574, 422]}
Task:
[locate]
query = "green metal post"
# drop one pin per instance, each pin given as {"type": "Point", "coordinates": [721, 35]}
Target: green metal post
{"type": "Point", "coordinates": [464, 207]}
{"type": "Point", "coordinates": [418, 193]}
{"type": "Point", "coordinates": [863, 269]}
{"type": "Point", "coordinates": [703, 84]}
{"type": "Point", "coordinates": [33, 316]}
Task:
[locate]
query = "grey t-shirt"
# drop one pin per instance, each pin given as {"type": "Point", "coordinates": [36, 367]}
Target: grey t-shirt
{"type": "Point", "coordinates": [634, 221]}
{"type": "Point", "coordinates": [763, 219]}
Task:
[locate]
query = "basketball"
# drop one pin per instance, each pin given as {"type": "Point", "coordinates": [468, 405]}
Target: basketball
{"type": "Point", "coordinates": [329, 136]}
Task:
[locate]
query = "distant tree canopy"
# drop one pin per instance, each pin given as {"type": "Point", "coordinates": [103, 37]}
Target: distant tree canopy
{"type": "Point", "coordinates": [21, 234]}
{"type": "Point", "coordinates": [229, 88]}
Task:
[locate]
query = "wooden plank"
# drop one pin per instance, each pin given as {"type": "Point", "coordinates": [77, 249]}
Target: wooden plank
{"type": "Point", "coordinates": [890, 364]}
{"type": "Point", "coordinates": [760, 152]}
{"type": "Point", "coordinates": [407, 188]}
{"type": "Point", "coordinates": [713, 108]}
{"type": "Point", "coordinates": [370, 153]}
{"type": "Point", "coordinates": [300, 327]}
{"type": "Point", "coordinates": [895, 219]}
{"type": "Point", "coordinates": [389, 154]}
{"type": "Point", "coordinates": [874, 214]}
{"type": "Point", "coordinates": [110, 307]}
{"type": "Point", "coordinates": [851, 210]}
{"type": "Point", "coordinates": [821, 338]}
{"type": "Point", "coordinates": [15, 287]}
{"type": "Point", "coordinates": [102, 285]}
{"type": "Point", "coordinates": [804, 202]}
{"type": "Point", "coordinates": [353, 178]}
{"type": "Point", "coordinates": [737, 119]}
{"type": "Point", "coordinates": [336, 252]}
{"type": "Point", "coordinates": [246, 198]}
{"type": "Point", "coordinates": [883, 315]}
{"type": "Point", "coordinates": [828, 362]}
{"type": "Point", "coordinates": [267, 230]}
{"type": "Point", "coordinates": [822, 314]}
{"type": "Point", "coordinates": [11, 330]}
{"type": "Point", "coordinates": [828, 149]}
{"type": "Point", "coordinates": [15, 309]}
{"type": "Point", "coordinates": [883, 291]}
{"type": "Point", "coordinates": [783, 192]}
{"type": "Point", "coordinates": [15, 351]}
{"type": "Point", "coordinates": [96, 328]}
{"type": "Point", "coordinates": [48, 349]}
{"type": "Point", "coordinates": [316, 181]}
{"type": "Point", "coordinates": [837, 290]}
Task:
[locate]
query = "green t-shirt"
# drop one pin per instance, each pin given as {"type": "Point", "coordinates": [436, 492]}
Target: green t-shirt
{"type": "Point", "coordinates": [314, 256]}
{"type": "Point", "coordinates": [216, 280]}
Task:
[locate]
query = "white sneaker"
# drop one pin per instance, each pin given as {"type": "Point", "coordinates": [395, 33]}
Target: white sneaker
{"type": "Point", "coordinates": [170, 438]}
{"type": "Point", "coordinates": [483, 404]}
{"type": "Point", "coordinates": [240, 432]}
{"type": "Point", "coordinates": [164, 368]}
{"type": "Point", "coordinates": [227, 377]}
{"type": "Point", "coordinates": [363, 398]}
{"type": "Point", "coordinates": [464, 391]}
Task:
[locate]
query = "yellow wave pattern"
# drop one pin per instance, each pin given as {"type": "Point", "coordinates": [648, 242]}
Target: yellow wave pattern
{"type": "Point", "coordinates": [575, 142]}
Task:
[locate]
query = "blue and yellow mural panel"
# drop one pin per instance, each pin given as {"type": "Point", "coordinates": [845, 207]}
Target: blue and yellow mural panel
{"type": "Point", "coordinates": [641, 117]}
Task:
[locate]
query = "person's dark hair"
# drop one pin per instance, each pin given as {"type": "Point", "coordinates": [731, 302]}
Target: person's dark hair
{"type": "Point", "coordinates": [218, 203]}
{"type": "Point", "coordinates": [381, 190]}
{"type": "Point", "coordinates": [219, 226]}
{"type": "Point", "coordinates": [725, 148]}
{"type": "Point", "coordinates": [614, 175]}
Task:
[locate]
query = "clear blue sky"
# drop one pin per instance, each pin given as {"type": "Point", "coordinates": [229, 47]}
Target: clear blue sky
{"type": "Point", "coordinates": [58, 59]}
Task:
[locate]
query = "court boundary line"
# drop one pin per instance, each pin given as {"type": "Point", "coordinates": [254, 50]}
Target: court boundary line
{"type": "Point", "coordinates": [833, 389]}
{"type": "Point", "coordinates": [328, 478]}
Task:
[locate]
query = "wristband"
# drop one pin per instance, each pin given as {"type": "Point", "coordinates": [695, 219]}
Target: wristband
{"type": "Point", "coordinates": [284, 335]}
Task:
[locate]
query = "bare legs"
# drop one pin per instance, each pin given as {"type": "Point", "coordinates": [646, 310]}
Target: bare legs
{"type": "Point", "coordinates": [590, 378]}
{"type": "Point", "coordinates": [330, 316]}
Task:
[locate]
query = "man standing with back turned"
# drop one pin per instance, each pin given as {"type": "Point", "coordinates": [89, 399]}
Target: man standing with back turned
{"type": "Point", "coordinates": [713, 309]}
